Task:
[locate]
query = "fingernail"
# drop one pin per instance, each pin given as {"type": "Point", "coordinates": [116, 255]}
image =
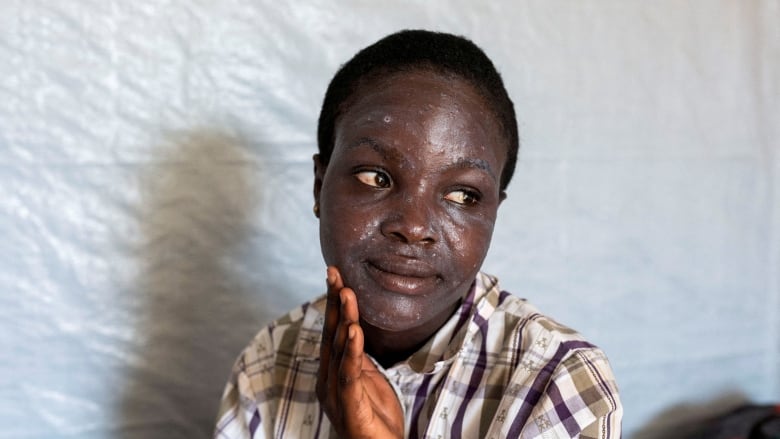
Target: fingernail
{"type": "Point", "coordinates": [351, 334]}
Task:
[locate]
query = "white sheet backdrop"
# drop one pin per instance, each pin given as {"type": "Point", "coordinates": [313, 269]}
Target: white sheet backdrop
{"type": "Point", "coordinates": [155, 194]}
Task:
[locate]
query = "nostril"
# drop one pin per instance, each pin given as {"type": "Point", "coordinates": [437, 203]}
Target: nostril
{"type": "Point", "coordinates": [399, 236]}
{"type": "Point", "coordinates": [410, 235]}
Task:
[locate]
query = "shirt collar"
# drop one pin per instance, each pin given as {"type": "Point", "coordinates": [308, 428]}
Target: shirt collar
{"type": "Point", "coordinates": [458, 331]}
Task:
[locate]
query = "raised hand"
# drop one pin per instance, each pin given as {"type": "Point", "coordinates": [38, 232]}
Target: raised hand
{"type": "Point", "coordinates": [356, 397]}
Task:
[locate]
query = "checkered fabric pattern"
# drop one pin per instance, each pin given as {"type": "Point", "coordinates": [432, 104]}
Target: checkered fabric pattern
{"type": "Point", "coordinates": [497, 369]}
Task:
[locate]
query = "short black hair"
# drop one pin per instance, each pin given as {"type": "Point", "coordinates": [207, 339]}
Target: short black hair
{"type": "Point", "coordinates": [409, 50]}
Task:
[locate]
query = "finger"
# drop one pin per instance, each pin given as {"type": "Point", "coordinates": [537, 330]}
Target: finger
{"type": "Point", "coordinates": [342, 344]}
{"type": "Point", "coordinates": [340, 336]}
{"type": "Point", "coordinates": [350, 371]}
{"type": "Point", "coordinates": [358, 408]}
{"type": "Point", "coordinates": [330, 376]}
{"type": "Point", "coordinates": [352, 360]}
{"type": "Point", "coordinates": [332, 307]}
{"type": "Point", "coordinates": [333, 302]}
{"type": "Point", "coordinates": [349, 309]}
{"type": "Point", "coordinates": [334, 277]}
{"type": "Point", "coordinates": [332, 312]}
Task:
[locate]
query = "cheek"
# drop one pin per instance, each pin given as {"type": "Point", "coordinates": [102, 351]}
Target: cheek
{"type": "Point", "coordinates": [469, 239]}
{"type": "Point", "coordinates": [346, 232]}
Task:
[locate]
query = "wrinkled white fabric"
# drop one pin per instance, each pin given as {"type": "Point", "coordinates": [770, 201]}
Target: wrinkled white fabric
{"type": "Point", "coordinates": [155, 194]}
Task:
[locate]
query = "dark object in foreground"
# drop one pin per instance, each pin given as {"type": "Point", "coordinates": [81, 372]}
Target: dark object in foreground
{"type": "Point", "coordinates": [746, 422]}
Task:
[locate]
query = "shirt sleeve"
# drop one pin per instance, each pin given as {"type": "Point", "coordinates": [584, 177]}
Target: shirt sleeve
{"type": "Point", "coordinates": [580, 401]}
{"type": "Point", "coordinates": [574, 397]}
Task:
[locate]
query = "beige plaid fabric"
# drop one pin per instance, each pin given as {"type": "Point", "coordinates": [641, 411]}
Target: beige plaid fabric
{"type": "Point", "coordinates": [496, 369]}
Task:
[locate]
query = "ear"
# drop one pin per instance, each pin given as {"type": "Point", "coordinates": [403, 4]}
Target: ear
{"type": "Point", "coordinates": [501, 197]}
{"type": "Point", "coordinates": [319, 174]}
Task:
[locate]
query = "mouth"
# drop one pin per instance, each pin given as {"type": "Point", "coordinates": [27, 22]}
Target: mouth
{"type": "Point", "coordinates": [409, 277]}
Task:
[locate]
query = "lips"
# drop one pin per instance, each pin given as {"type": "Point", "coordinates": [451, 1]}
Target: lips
{"type": "Point", "coordinates": [404, 276]}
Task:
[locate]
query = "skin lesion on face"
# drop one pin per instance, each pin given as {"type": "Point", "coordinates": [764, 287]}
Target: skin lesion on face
{"type": "Point", "coordinates": [408, 201]}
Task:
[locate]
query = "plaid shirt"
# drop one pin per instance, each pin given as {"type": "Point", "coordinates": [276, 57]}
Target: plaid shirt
{"type": "Point", "coordinates": [496, 369]}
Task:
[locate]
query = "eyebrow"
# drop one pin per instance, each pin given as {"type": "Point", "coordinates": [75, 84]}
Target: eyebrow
{"type": "Point", "coordinates": [385, 152]}
{"type": "Point", "coordinates": [481, 164]}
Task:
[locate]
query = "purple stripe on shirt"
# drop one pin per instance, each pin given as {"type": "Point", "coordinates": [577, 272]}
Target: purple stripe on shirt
{"type": "Point", "coordinates": [517, 352]}
{"type": "Point", "coordinates": [423, 391]}
{"type": "Point", "coordinates": [419, 401]}
{"type": "Point", "coordinates": [540, 383]}
{"type": "Point", "coordinates": [287, 400]}
{"type": "Point", "coordinates": [254, 423]}
{"type": "Point", "coordinates": [476, 378]}
{"type": "Point", "coordinates": [502, 296]}
{"type": "Point", "coordinates": [562, 410]}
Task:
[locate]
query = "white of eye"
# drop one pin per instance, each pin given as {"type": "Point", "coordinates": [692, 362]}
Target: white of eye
{"type": "Point", "coordinates": [373, 178]}
{"type": "Point", "coordinates": [461, 197]}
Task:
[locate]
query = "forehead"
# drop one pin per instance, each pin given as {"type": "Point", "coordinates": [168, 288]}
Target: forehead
{"type": "Point", "coordinates": [445, 107]}
{"type": "Point", "coordinates": [414, 87]}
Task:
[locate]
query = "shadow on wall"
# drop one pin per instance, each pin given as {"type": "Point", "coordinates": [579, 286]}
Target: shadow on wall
{"type": "Point", "coordinates": [688, 421]}
{"type": "Point", "coordinates": [195, 312]}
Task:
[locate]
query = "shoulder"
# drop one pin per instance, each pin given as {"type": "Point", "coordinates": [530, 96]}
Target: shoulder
{"type": "Point", "coordinates": [260, 368]}
{"type": "Point", "coordinates": [520, 324]}
{"type": "Point", "coordinates": [581, 396]}
{"type": "Point", "coordinates": [283, 338]}
{"type": "Point", "coordinates": [559, 380]}
{"type": "Point", "coordinates": [259, 377]}
{"type": "Point", "coordinates": [547, 345]}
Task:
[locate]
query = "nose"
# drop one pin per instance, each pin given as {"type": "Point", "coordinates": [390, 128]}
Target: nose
{"type": "Point", "coordinates": [410, 221]}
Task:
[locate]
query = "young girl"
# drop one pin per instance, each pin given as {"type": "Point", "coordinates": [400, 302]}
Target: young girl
{"type": "Point", "coordinates": [417, 144]}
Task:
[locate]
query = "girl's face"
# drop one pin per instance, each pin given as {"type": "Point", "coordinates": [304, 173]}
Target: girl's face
{"type": "Point", "coordinates": [410, 195]}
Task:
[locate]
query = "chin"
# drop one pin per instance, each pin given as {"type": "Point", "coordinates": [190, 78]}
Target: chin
{"type": "Point", "coordinates": [390, 311]}
{"type": "Point", "coordinates": [395, 303]}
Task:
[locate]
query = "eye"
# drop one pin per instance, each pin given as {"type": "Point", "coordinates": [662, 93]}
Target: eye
{"type": "Point", "coordinates": [373, 178]}
{"type": "Point", "coordinates": [463, 197]}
